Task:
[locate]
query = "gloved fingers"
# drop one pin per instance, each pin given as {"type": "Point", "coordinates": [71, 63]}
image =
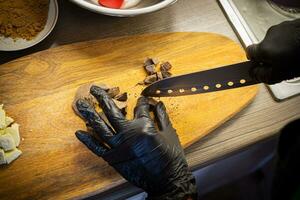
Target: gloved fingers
{"type": "Point", "coordinates": [165, 125]}
{"type": "Point", "coordinates": [253, 53]}
{"type": "Point", "coordinates": [142, 108]}
{"type": "Point", "coordinates": [262, 73]}
{"type": "Point", "coordinates": [112, 112]}
{"type": "Point", "coordinates": [161, 116]}
{"type": "Point", "coordinates": [94, 120]}
{"type": "Point", "coordinates": [91, 143]}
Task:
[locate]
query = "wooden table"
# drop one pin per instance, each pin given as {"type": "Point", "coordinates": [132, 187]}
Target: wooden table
{"type": "Point", "coordinates": [262, 119]}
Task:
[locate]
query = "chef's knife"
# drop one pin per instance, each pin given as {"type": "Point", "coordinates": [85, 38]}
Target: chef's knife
{"type": "Point", "coordinates": [222, 78]}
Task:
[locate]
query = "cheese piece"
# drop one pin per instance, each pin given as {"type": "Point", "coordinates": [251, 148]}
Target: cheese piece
{"type": "Point", "coordinates": [2, 117]}
{"type": "Point", "coordinates": [14, 132]}
{"type": "Point", "coordinates": [7, 142]}
{"type": "Point", "coordinates": [8, 121]}
{"type": "Point", "coordinates": [2, 131]}
{"type": "Point", "coordinates": [2, 157]}
{"type": "Point", "coordinates": [12, 155]}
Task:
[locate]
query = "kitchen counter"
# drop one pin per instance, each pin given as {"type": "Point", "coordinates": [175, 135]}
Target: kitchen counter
{"type": "Point", "coordinates": [261, 119]}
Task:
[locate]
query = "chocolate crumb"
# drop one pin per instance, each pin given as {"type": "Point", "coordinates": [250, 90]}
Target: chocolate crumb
{"type": "Point", "coordinates": [121, 97]}
{"type": "Point", "coordinates": [165, 66]}
{"type": "Point", "coordinates": [150, 79]}
{"type": "Point", "coordinates": [151, 61]}
{"type": "Point", "coordinates": [166, 74]}
{"type": "Point", "coordinates": [114, 91]}
{"type": "Point", "coordinates": [150, 69]}
{"type": "Point", "coordinates": [159, 76]}
{"type": "Point", "coordinates": [120, 104]}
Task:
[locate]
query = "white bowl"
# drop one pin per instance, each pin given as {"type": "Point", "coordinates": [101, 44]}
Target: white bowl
{"type": "Point", "coordinates": [9, 44]}
{"type": "Point", "coordinates": [146, 6]}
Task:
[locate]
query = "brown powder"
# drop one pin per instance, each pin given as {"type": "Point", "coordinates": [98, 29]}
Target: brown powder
{"type": "Point", "coordinates": [23, 18]}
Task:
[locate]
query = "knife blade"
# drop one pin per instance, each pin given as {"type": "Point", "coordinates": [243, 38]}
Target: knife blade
{"type": "Point", "coordinates": [222, 78]}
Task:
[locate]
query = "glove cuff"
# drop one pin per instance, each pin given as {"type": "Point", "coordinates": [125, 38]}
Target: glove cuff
{"type": "Point", "coordinates": [185, 190]}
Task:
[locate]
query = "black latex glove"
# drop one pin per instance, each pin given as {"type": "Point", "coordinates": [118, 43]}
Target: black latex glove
{"type": "Point", "coordinates": [278, 55]}
{"type": "Point", "coordinates": [149, 158]}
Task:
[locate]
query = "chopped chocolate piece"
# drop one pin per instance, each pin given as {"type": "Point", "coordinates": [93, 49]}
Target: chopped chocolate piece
{"type": "Point", "coordinates": [159, 76]}
{"type": "Point", "coordinates": [150, 69]}
{"type": "Point", "coordinates": [165, 66]}
{"type": "Point", "coordinates": [150, 79]}
{"type": "Point", "coordinates": [114, 91]}
{"type": "Point", "coordinates": [120, 104]}
{"type": "Point", "coordinates": [166, 74]}
{"type": "Point", "coordinates": [155, 61]}
{"type": "Point", "coordinates": [151, 61]}
{"type": "Point", "coordinates": [121, 97]}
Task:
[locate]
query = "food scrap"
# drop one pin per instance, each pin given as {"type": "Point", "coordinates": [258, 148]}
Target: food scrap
{"type": "Point", "coordinates": [122, 97]}
{"type": "Point", "coordinates": [165, 67]}
{"type": "Point", "coordinates": [150, 65]}
{"type": "Point", "coordinates": [9, 138]}
{"type": "Point", "coordinates": [113, 92]}
{"type": "Point", "coordinates": [150, 79]}
{"type": "Point", "coordinates": [150, 69]}
{"type": "Point", "coordinates": [166, 74]}
{"type": "Point", "coordinates": [23, 19]}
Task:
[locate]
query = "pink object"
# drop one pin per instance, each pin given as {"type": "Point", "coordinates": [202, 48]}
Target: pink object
{"type": "Point", "coordinates": [119, 4]}
{"type": "Point", "coordinates": [111, 3]}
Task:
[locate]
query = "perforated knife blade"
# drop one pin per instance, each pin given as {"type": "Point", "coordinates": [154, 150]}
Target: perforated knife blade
{"type": "Point", "coordinates": [222, 78]}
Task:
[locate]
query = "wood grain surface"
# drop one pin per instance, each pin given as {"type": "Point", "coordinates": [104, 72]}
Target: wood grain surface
{"type": "Point", "coordinates": [38, 90]}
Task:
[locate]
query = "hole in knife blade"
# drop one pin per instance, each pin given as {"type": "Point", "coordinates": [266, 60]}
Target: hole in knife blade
{"type": "Point", "coordinates": [206, 87]}
{"type": "Point", "coordinates": [158, 92]}
{"type": "Point", "coordinates": [218, 85]}
{"type": "Point", "coordinates": [193, 89]}
{"type": "Point", "coordinates": [230, 83]}
{"type": "Point", "coordinates": [170, 91]}
{"type": "Point", "coordinates": [181, 90]}
{"type": "Point", "coordinates": [242, 81]}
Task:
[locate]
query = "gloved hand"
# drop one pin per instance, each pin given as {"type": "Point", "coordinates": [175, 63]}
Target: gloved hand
{"type": "Point", "coordinates": [149, 158]}
{"type": "Point", "coordinates": [277, 57]}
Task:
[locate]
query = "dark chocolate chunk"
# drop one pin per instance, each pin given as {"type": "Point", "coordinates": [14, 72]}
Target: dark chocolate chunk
{"type": "Point", "coordinates": [114, 91]}
{"type": "Point", "coordinates": [151, 61]}
{"type": "Point", "coordinates": [165, 66]}
{"type": "Point", "coordinates": [150, 79]}
{"type": "Point", "coordinates": [150, 69]}
{"type": "Point", "coordinates": [120, 104]}
{"type": "Point", "coordinates": [159, 76]}
{"type": "Point", "coordinates": [166, 74]}
{"type": "Point", "coordinates": [121, 97]}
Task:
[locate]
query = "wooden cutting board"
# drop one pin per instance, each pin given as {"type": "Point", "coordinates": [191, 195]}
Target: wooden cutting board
{"type": "Point", "coordinates": [38, 90]}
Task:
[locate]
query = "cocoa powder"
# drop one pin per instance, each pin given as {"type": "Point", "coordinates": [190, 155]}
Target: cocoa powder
{"type": "Point", "coordinates": [23, 18]}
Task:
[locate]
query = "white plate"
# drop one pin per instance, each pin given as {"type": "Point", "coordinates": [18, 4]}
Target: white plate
{"type": "Point", "coordinates": [146, 6]}
{"type": "Point", "coordinates": [9, 44]}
